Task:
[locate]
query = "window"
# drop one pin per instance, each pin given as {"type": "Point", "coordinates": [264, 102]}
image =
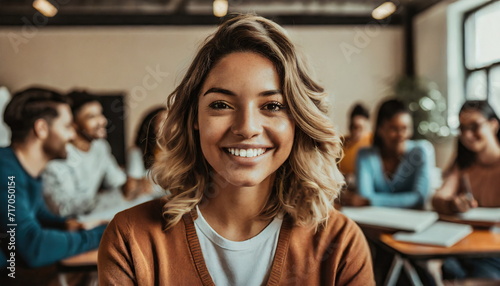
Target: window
{"type": "Point", "coordinates": [494, 87]}
{"type": "Point", "coordinates": [482, 53]}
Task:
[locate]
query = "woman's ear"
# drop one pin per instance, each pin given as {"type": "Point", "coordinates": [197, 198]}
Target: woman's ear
{"type": "Point", "coordinates": [494, 125]}
{"type": "Point", "coordinates": [41, 128]}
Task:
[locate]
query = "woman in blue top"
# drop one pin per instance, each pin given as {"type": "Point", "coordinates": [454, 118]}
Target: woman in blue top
{"type": "Point", "coordinates": [395, 171]}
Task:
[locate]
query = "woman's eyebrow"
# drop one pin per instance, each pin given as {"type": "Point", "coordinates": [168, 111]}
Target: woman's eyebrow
{"type": "Point", "coordinates": [270, 92]}
{"type": "Point", "coordinates": [219, 90]}
{"type": "Point", "coordinates": [228, 92]}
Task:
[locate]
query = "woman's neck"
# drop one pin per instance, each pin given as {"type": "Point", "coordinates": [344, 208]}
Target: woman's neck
{"type": "Point", "coordinates": [393, 152]}
{"type": "Point", "coordinates": [490, 155]}
{"type": "Point", "coordinates": [234, 212]}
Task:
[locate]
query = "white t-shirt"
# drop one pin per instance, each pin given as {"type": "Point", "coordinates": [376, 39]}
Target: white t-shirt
{"type": "Point", "coordinates": [238, 262]}
{"type": "Point", "coordinates": [4, 129]}
{"type": "Point", "coordinates": [135, 164]}
{"type": "Point", "coordinates": [70, 186]}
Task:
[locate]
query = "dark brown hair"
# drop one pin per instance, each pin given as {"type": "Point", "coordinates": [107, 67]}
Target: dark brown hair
{"type": "Point", "coordinates": [28, 106]}
{"type": "Point", "coordinates": [465, 157]}
{"type": "Point", "coordinates": [387, 110]}
{"type": "Point", "coordinates": [146, 138]}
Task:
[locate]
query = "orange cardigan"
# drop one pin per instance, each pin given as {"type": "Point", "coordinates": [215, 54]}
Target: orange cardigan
{"type": "Point", "coordinates": [137, 250]}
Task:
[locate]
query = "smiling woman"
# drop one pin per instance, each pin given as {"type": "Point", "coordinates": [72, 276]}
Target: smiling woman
{"type": "Point", "coordinates": [472, 181]}
{"type": "Point", "coordinates": [244, 125]}
{"type": "Point", "coordinates": [249, 156]}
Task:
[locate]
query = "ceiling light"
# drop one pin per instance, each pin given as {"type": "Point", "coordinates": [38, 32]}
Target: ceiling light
{"type": "Point", "coordinates": [45, 7]}
{"type": "Point", "coordinates": [383, 11]}
{"type": "Point", "coordinates": [220, 8]}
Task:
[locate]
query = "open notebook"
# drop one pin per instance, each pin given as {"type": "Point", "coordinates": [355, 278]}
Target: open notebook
{"type": "Point", "coordinates": [440, 234]}
{"type": "Point", "coordinates": [393, 218]}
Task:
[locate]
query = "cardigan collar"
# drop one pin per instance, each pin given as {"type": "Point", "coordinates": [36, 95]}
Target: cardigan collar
{"type": "Point", "coordinates": [199, 262]}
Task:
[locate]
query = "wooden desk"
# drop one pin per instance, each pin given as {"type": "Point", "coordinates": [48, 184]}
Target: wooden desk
{"type": "Point", "coordinates": [480, 243]}
{"type": "Point", "coordinates": [82, 263]}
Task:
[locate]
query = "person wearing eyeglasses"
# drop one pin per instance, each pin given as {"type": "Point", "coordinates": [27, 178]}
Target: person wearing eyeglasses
{"type": "Point", "coordinates": [472, 180]}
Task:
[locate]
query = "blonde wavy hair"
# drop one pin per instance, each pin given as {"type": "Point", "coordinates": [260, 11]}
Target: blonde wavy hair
{"type": "Point", "coordinates": [307, 183]}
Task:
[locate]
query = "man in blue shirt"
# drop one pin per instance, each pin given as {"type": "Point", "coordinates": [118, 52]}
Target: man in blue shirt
{"type": "Point", "coordinates": [41, 125]}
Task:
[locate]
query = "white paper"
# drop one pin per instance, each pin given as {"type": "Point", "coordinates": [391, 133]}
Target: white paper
{"type": "Point", "coordinates": [482, 214]}
{"type": "Point", "coordinates": [440, 234]}
{"type": "Point", "coordinates": [110, 203]}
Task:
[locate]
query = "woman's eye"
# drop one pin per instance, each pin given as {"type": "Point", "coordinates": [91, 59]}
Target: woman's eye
{"type": "Point", "coordinates": [274, 106]}
{"type": "Point", "coordinates": [219, 105]}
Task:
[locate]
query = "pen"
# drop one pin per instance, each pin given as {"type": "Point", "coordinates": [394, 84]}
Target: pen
{"type": "Point", "coordinates": [467, 188]}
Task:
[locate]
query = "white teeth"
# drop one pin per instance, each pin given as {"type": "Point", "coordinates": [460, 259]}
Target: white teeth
{"type": "Point", "coordinates": [246, 152]}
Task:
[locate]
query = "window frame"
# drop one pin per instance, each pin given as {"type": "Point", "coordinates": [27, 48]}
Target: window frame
{"type": "Point", "coordinates": [468, 71]}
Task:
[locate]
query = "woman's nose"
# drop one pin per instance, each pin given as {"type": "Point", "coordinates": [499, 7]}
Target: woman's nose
{"type": "Point", "coordinates": [247, 123]}
{"type": "Point", "coordinates": [467, 134]}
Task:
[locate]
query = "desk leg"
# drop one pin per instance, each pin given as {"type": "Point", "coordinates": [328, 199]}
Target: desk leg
{"type": "Point", "coordinates": [433, 267]}
{"type": "Point", "coordinates": [94, 280]}
{"type": "Point", "coordinates": [394, 271]}
{"type": "Point", "coordinates": [412, 273]}
{"type": "Point", "coordinates": [62, 279]}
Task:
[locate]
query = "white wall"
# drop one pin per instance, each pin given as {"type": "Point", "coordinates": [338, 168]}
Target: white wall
{"type": "Point", "coordinates": [357, 63]}
{"type": "Point", "coordinates": [431, 60]}
{"type": "Point", "coordinates": [354, 63]}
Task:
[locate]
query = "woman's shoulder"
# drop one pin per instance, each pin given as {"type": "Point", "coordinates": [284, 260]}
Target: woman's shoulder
{"type": "Point", "coordinates": [338, 223]}
{"type": "Point", "coordinates": [338, 227]}
{"type": "Point", "coordinates": [337, 244]}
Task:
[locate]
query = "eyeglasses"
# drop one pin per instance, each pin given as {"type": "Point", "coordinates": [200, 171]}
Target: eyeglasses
{"type": "Point", "coordinates": [473, 127]}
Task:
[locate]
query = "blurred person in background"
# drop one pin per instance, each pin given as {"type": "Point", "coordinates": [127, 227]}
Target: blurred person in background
{"type": "Point", "coordinates": [395, 171]}
{"type": "Point", "coordinates": [4, 129]}
{"type": "Point", "coordinates": [41, 125]}
{"type": "Point", "coordinates": [473, 181]}
{"type": "Point", "coordinates": [71, 185]}
{"type": "Point", "coordinates": [360, 136]}
{"type": "Point", "coordinates": [143, 154]}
